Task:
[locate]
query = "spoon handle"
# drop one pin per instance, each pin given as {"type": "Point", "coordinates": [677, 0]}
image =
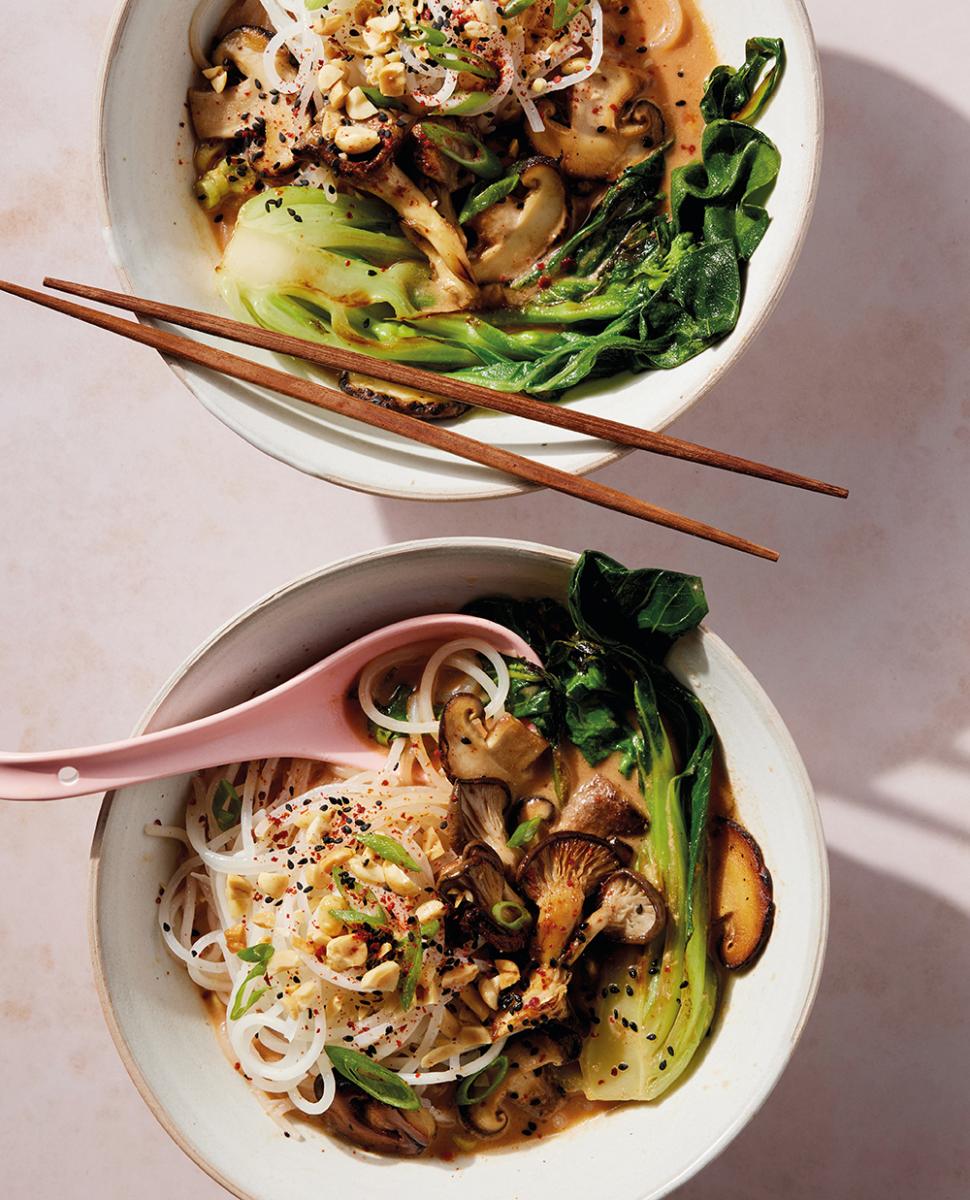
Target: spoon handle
{"type": "Point", "coordinates": [229, 736]}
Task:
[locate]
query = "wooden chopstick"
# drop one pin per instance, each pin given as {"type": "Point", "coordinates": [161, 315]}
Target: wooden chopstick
{"type": "Point", "coordinates": [338, 359]}
{"type": "Point", "coordinates": [388, 420]}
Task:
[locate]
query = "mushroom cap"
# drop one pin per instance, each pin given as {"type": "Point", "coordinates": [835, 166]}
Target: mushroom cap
{"type": "Point", "coordinates": [633, 910]}
{"type": "Point", "coordinates": [597, 806]}
{"type": "Point", "coordinates": [514, 234]}
{"type": "Point", "coordinates": [469, 750]}
{"type": "Point", "coordinates": [558, 875]}
{"type": "Point", "coordinates": [610, 125]}
{"type": "Point", "coordinates": [479, 873]}
{"type": "Point", "coordinates": [368, 1123]}
{"type": "Point", "coordinates": [478, 808]}
{"type": "Point", "coordinates": [272, 131]}
{"type": "Point", "coordinates": [527, 1080]}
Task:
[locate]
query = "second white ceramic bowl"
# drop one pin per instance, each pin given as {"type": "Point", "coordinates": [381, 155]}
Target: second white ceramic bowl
{"type": "Point", "coordinates": [156, 1015]}
{"type": "Point", "coordinates": [163, 248]}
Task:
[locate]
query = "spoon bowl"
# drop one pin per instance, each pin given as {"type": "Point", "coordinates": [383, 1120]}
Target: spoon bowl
{"type": "Point", "coordinates": [306, 717]}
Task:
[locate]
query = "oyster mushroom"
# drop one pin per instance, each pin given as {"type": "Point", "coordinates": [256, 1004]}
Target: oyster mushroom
{"type": "Point", "coordinates": [515, 233]}
{"type": "Point", "coordinates": [478, 815]}
{"type": "Point", "coordinates": [469, 750]}
{"type": "Point", "coordinates": [368, 1123]}
{"type": "Point", "coordinates": [608, 125]}
{"type": "Point", "coordinates": [528, 1085]}
{"type": "Point", "coordinates": [400, 398]}
{"type": "Point", "coordinates": [628, 909]}
{"type": "Point", "coordinates": [482, 901]}
{"type": "Point", "coordinates": [243, 109]}
{"type": "Point", "coordinates": [599, 807]}
{"type": "Point", "coordinates": [557, 876]}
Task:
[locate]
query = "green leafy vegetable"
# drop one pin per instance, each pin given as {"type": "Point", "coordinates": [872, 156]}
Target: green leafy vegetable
{"type": "Point", "coordinates": [397, 707]}
{"type": "Point", "coordinates": [260, 955]}
{"type": "Point", "coordinates": [524, 832]}
{"type": "Point", "coordinates": [224, 179]}
{"type": "Point", "coordinates": [226, 805]}
{"type": "Point", "coordinates": [372, 1078]}
{"type": "Point", "coordinates": [737, 95]}
{"type": "Point", "coordinates": [387, 848]}
{"type": "Point", "coordinates": [511, 915]}
{"type": "Point", "coordinates": [605, 672]}
{"type": "Point", "coordinates": [478, 1087]}
{"type": "Point", "coordinates": [463, 148]}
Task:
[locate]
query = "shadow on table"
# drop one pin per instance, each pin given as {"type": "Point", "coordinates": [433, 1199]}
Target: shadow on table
{"type": "Point", "coordinates": [860, 634]}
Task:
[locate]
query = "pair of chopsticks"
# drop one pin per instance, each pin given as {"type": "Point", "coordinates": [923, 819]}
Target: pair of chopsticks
{"type": "Point", "coordinates": [391, 421]}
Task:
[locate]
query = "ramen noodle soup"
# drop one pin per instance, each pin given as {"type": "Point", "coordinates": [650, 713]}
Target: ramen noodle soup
{"type": "Point", "coordinates": [526, 194]}
{"type": "Point", "coordinates": [521, 917]}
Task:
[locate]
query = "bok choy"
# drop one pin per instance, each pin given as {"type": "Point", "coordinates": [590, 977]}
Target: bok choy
{"type": "Point", "coordinates": [633, 288]}
{"type": "Point", "coordinates": [605, 689]}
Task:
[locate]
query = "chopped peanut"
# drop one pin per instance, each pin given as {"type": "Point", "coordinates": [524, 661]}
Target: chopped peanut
{"type": "Point", "coordinates": [239, 892]}
{"type": "Point", "coordinates": [382, 978]}
{"type": "Point", "coordinates": [358, 107]}
{"type": "Point", "coordinates": [470, 1037]}
{"type": "Point", "coordinates": [272, 883]}
{"type": "Point", "coordinates": [236, 938]}
{"type": "Point", "coordinates": [474, 1001]}
{"type": "Point", "coordinates": [363, 867]}
{"type": "Point", "coordinates": [431, 844]}
{"type": "Point", "coordinates": [387, 22]}
{"type": "Point", "coordinates": [488, 989]}
{"type": "Point", "coordinates": [329, 74]}
{"type": "Point", "coordinates": [457, 977]}
{"type": "Point", "coordinates": [345, 951]}
{"type": "Point", "coordinates": [508, 973]}
{"type": "Point", "coordinates": [397, 879]}
{"type": "Point", "coordinates": [266, 919]}
{"type": "Point", "coordinates": [431, 910]}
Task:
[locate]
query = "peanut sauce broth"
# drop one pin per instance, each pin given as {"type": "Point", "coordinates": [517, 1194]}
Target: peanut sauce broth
{"type": "Point", "coordinates": [675, 74]}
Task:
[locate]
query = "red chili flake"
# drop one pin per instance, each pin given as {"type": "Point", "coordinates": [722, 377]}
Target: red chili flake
{"type": "Point", "coordinates": [545, 281]}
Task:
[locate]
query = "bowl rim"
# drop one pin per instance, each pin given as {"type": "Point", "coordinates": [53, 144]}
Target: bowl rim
{"type": "Point", "coordinates": [301, 462]}
{"type": "Point", "coordinates": [784, 740]}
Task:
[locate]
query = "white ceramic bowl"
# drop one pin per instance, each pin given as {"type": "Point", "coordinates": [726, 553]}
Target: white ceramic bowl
{"type": "Point", "coordinates": [162, 248]}
{"type": "Point", "coordinates": [157, 1018]}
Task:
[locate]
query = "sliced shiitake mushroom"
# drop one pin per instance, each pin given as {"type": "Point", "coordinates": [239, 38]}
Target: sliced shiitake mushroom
{"type": "Point", "coordinates": [272, 132]}
{"type": "Point", "coordinates": [742, 904]}
{"type": "Point", "coordinates": [610, 124]}
{"type": "Point", "coordinates": [400, 398]}
{"type": "Point", "coordinates": [469, 750]}
{"type": "Point", "coordinates": [599, 807]}
{"type": "Point", "coordinates": [515, 233]}
{"type": "Point", "coordinates": [378, 1127]}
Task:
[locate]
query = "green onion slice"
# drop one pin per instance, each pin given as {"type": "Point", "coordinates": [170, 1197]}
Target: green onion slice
{"type": "Point", "coordinates": [260, 955]}
{"type": "Point", "coordinates": [356, 916]}
{"type": "Point", "coordinates": [226, 805]}
{"type": "Point", "coordinates": [524, 833]}
{"type": "Point", "coordinates": [469, 104]}
{"type": "Point", "coordinates": [388, 849]}
{"type": "Point", "coordinates": [413, 958]}
{"type": "Point", "coordinates": [464, 148]}
{"type": "Point", "coordinates": [510, 915]}
{"type": "Point", "coordinates": [484, 195]}
{"type": "Point", "coordinates": [372, 1078]}
{"type": "Point", "coordinates": [377, 98]}
{"type": "Point", "coordinates": [479, 1087]}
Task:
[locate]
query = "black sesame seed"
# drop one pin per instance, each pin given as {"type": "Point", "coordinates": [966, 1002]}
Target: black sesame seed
{"type": "Point", "coordinates": [662, 1064]}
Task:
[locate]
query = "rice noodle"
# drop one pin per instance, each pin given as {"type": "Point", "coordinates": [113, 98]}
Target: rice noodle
{"type": "Point", "coordinates": [284, 817]}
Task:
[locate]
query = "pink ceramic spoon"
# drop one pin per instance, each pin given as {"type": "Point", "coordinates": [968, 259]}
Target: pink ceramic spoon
{"type": "Point", "coordinates": [306, 717]}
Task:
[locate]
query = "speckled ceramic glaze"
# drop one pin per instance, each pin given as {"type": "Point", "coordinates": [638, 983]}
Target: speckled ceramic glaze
{"type": "Point", "coordinates": [157, 1017]}
{"type": "Point", "coordinates": [163, 248]}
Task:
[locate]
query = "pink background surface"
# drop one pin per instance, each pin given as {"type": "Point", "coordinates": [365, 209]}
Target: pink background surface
{"type": "Point", "coordinates": [133, 523]}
